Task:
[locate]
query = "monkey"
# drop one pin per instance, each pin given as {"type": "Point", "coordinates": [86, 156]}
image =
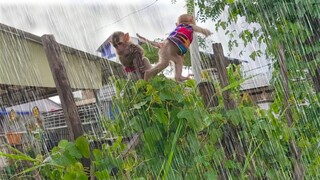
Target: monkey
{"type": "Point", "coordinates": [175, 46]}
{"type": "Point", "coordinates": [131, 56]}
{"type": "Point", "coordinates": [153, 43]}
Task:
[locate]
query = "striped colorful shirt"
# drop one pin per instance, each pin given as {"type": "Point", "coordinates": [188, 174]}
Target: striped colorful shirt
{"type": "Point", "coordinates": [182, 37]}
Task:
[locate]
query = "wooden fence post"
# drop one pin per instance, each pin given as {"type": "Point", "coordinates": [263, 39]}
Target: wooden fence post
{"type": "Point", "coordinates": [298, 170]}
{"type": "Point", "coordinates": [316, 80]}
{"type": "Point", "coordinates": [229, 103]}
{"type": "Point", "coordinates": [62, 83]}
{"type": "Point", "coordinates": [230, 141]}
{"type": "Point", "coordinates": [208, 94]}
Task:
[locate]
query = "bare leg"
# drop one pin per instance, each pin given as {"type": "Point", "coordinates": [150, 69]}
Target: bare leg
{"type": "Point", "coordinates": [164, 59]}
{"type": "Point", "coordinates": [178, 69]}
{"type": "Point", "coordinates": [146, 63]}
{"type": "Point", "coordinates": [156, 69]}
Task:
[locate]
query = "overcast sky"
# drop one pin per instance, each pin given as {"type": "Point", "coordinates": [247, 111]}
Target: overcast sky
{"type": "Point", "coordinates": [86, 25]}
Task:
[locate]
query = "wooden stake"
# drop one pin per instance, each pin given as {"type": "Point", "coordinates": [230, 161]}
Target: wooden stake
{"type": "Point", "coordinates": [298, 170]}
{"type": "Point", "coordinates": [62, 83]}
{"type": "Point", "coordinates": [230, 142]}
{"type": "Point", "coordinates": [229, 103]}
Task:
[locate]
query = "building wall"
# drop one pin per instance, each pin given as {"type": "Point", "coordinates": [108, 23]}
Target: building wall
{"type": "Point", "coordinates": [24, 62]}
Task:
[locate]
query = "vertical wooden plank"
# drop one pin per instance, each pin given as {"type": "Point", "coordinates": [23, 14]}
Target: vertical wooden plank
{"type": "Point", "coordinates": [229, 103]}
{"type": "Point", "coordinates": [208, 94]}
{"type": "Point", "coordinates": [62, 83]}
{"type": "Point", "coordinates": [98, 101]}
{"type": "Point", "coordinates": [230, 141]}
{"type": "Point", "coordinates": [316, 80]}
{"type": "Point", "coordinates": [285, 86]}
{"type": "Point", "coordinates": [295, 152]}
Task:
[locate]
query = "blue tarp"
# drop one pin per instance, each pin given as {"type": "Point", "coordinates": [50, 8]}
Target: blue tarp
{"type": "Point", "coordinates": [17, 112]}
{"type": "Point", "coordinates": [107, 51]}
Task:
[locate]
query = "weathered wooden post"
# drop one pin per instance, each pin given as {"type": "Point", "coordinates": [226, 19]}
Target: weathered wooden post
{"type": "Point", "coordinates": [230, 141]}
{"type": "Point", "coordinates": [316, 80]}
{"type": "Point", "coordinates": [295, 152]}
{"type": "Point", "coordinates": [229, 103]}
{"type": "Point", "coordinates": [62, 83]}
{"type": "Point", "coordinates": [208, 94]}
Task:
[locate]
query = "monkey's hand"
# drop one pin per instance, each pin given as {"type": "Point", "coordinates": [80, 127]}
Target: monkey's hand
{"type": "Point", "coordinates": [201, 30]}
{"type": "Point", "coordinates": [207, 32]}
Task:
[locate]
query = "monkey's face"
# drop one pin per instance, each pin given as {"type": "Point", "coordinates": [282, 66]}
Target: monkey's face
{"type": "Point", "coordinates": [119, 46]}
{"type": "Point", "coordinates": [119, 41]}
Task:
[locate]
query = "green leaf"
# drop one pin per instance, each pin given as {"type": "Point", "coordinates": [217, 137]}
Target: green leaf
{"type": "Point", "coordinates": [166, 95]}
{"type": "Point", "coordinates": [33, 168]}
{"type": "Point", "coordinates": [255, 54]}
{"type": "Point", "coordinates": [202, 160]}
{"type": "Point", "coordinates": [234, 116]}
{"type": "Point", "coordinates": [64, 160]}
{"type": "Point", "coordinates": [223, 25]}
{"type": "Point", "coordinates": [168, 164]}
{"type": "Point", "coordinates": [102, 174]}
{"type": "Point", "coordinates": [152, 134]}
{"type": "Point", "coordinates": [188, 114]}
{"type": "Point", "coordinates": [193, 142]}
{"type": "Point", "coordinates": [97, 154]}
{"type": "Point", "coordinates": [215, 135]}
{"type": "Point", "coordinates": [211, 175]}
{"type": "Point", "coordinates": [235, 84]}
{"type": "Point", "coordinates": [160, 115]}
{"type": "Point", "coordinates": [18, 157]}
{"type": "Point", "coordinates": [231, 164]}
{"type": "Point", "coordinates": [83, 145]}
{"type": "Point", "coordinates": [81, 176]}
{"type": "Point", "coordinates": [249, 113]}
{"type": "Point", "coordinates": [69, 176]}
{"type": "Point", "coordinates": [139, 105]}
{"type": "Point", "coordinates": [190, 83]}
{"type": "Point", "coordinates": [73, 151]}
{"type": "Point", "coordinates": [218, 155]}
{"type": "Point", "coordinates": [63, 144]}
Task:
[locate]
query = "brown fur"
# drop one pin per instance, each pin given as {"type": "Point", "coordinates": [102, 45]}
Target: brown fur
{"type": "Point", "coordinates": [130, 55]}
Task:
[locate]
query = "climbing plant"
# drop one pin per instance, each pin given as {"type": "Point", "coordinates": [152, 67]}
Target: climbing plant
{"type": "Point", "coordinates": [294, 25]}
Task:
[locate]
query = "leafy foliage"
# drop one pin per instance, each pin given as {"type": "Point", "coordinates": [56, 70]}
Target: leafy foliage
{"type": "Point", "coordinates": [295, 26]}
{"type": "Point", "coordinates": [163, 110]}
{"type": "Point", "coordinates": [180, 138]}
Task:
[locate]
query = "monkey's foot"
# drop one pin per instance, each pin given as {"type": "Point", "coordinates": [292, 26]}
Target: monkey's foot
{"type": "Point", "coordinates": [146, 75]}
{"type": "Point", "coordinates": [182, 78]}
